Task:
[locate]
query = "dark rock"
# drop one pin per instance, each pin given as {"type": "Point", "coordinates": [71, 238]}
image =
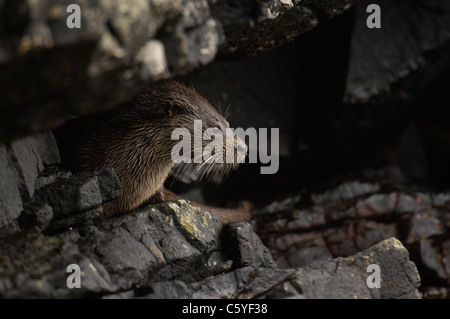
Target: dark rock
{"type": "Point", "coordinates": [346, 277]}
{"type": "Point", "coordinates": [392, 258]}
{"type": "Point", "coordinates": [251, 27]}
{"type": "Point", "coordinates": [441, 199]}
{"type": "Point", "coordinates": [36, 214]}
{"type": "Point", "coordinates": [307, 256]}
{"type": "Point", "coordinates": [346, 190]}
{"type": "Point", "coordinates": [174, 250]}
{"type": "Point", "coordinates": [10, 199]}
{"type": "Point", "coordinates": [304, 219]}
{"type": "Point", "coordinates": [63, 200]}
{"type": "Point", "coordinates": [338, 278]}
{"type": "Point", "coordinates": [109, 184]}
{"type": "Point", "coordinates": [48, 149]}
{"type": "Point", "coordinates": [446, 258]}
{"type": "Point", "coordinates": [244, 246]}
{"type": "Point", "coordinates": [21, 163]}
{"type": "Point", "coordinates": [424, 224]}
{"type": "Point", "coordinates": [400, 53]}
{"type": "Point", "coordinates": [242, 283]}
{"type": "Point", "coordinates": [420, 220]}
{"type": "Point", "coordinates": [376, 205]}
{"type": "Point", "coordinates": [120, 48]}
{"type": "Point", "coordinates": [341, 240]}
{"type": "Point", "coordinates": [201, 228]}
{"type": "Point", "coordinates": [71, 196]}
{"type": "Point", "coordinates": [81, 218]}
{"type": "Point", "coordinates": [50, 175]}
{"type": "Point", "coordinates": [407, 203]}
{"type": "Point", "coordinates": [368, 233]}
{"type": "Point", "coordinates": [145, 246]}
{"type": "Point", "coordinates": [431, 259]}
{"type": "Point", "coordinates": [35, 265]}
{"type": "Point", "coordinates": [27, 160]}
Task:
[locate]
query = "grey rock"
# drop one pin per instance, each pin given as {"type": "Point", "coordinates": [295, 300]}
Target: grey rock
{"type": "Point", "coordinates": [114, 256]}
{"type": "Point", "coordinates": [430, 259]}
{"type": "Point", "coordinates": [71, 196]}
{"type": "Point", "coordinates": [10, 199]}
{"type": "Point", "coordinates": [123, 46]}
{"type": "Point", "coordinates": [48, 149]}
{"type": "Point", "coordinates": [245, 247]}
{"type": "Point", "coordinates": [346, 190]}
{"type": "Point", "coordinates": [36, 214]}
{"type": "Point", "coordinates": [243, 283]}
{"type": "Point", "coordinates": [63, 200]}
{"type": "Point", "coordinates": [50, 175]}
{"type": "Point", "coordinates": [346, 277]}
{"type": "Point", "coordinates": [35, 264]}
{"type": "Point", "coordinates": [252, 27]}
{"type": "Point", "coordinates": [424, 224]}
{"type": "Point", "coordinates": [308, 255]}
{"type": "Point", "coordinates": [28, 163]}
{"type": "Point", "coordinates": [373, 71]}
{"type": "Point", "coordinates": [335, 278]}
{"type": "Point", "coordinates": [109, 184]}
{"type": "Point", "coordinates": [407, 203]}
{"type": "Point", "coordinates": [441, 199]}
{"type": "Point", "coordinates": [376, 205]}
{"type": "Point", "coordinates": [393, 259]}
{"type": "Point", "coordinates": [158, 252]}
{"type": "Point", "coordinates": [201, 228]}
{"type": "Point", "coordinates": [85, 217]}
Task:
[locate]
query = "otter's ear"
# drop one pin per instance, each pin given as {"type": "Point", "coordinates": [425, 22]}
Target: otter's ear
{"type": "Point", "coordinates": [175, 108]}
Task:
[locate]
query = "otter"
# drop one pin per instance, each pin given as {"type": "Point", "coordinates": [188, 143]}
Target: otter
{"type": "Point", "coordinates": [134, 139]}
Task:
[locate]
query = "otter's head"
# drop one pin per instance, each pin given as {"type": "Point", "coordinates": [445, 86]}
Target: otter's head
{"type": "Point", "coordinates": [202, 143]}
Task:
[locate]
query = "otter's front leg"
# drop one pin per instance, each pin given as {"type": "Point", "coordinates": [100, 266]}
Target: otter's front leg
{"type": "Point", "coordinates": [243, 212]}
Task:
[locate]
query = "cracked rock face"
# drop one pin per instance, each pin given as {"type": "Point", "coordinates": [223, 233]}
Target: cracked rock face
{"type": "Point", "coordinates": [353, 216]}
{"type": "Point", "coordinates": [146, 249]}
{"type": "Point", "coordinates": [168, 250]}
{"type": "Point", "coordinates": [122, 46]}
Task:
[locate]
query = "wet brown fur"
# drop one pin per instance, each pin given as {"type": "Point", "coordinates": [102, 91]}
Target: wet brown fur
{"type": "Point", "coordinates": [135, 139]}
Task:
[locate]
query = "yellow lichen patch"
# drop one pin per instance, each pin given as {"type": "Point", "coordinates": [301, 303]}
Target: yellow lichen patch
{"type": "Point", "coordinates": [393, 243]}
{"type": "Point", "coordinates": [369, 259]}
{"type": "Point", "coordinates": [174, 206]}
{"type": "Point", "coordinates": [169, 220]}
{"type": "Point", "coordinates": [192, 218]}
{"type": "Point", "coordinates": [350, 259]}
{"type": "Point", "coordinates": [187, 222]}
{"type": "Point", "coordinates": [205, 221]}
